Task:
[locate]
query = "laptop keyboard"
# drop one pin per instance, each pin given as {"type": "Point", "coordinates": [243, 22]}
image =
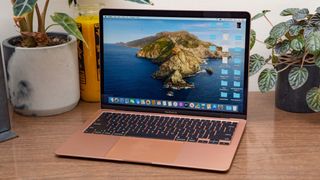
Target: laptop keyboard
{"type": "Point", "coordinates": [167, 128]}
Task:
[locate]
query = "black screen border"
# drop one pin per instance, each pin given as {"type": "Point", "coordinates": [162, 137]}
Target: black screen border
{"type": "Point", "coordinates": [178, 14]}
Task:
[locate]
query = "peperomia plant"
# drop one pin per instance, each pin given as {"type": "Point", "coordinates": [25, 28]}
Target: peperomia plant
{"type": "Point", "coordinates": [293, 42]}
{"type": "Point", "coordinates": [23, 11]}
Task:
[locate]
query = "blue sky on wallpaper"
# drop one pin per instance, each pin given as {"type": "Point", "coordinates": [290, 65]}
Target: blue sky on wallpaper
{"type": "Point", "coordinates": [125, 30]}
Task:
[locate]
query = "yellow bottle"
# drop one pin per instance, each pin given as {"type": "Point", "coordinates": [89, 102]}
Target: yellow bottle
{"type": "Point", "coordinates": [89, 56]}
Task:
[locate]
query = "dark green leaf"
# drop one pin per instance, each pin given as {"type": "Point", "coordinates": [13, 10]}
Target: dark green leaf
{"type": "Point", "coordinates": [142, 1]}
{"type": "Point", "coordinates": [256, 62]}
{"type": "Point", "coordinates": [267, 79]}
{"type": "Point", "coordinates": [282, 47]}
{"type": "Point", "coordinates": [23, 7]}
{"type": "Point", "coordinates": [313, 43]}
{"type": "Point", "coordinates": [289, 11]}
{"type": "Point", "coordinates": [290, 22]}
{"type": "Point", "coordinates": [297, 54]}
{"type": "Point", "coordinates": [315, 19]}
{"type": "Point", "coordinates": [252, 38]}
{"type": "Point", "coordinates": [68, 24]}
{"type": "Point", "coordinates": [301, 14]}
{"type": "Point", "coordinates": [317, 61]}
{"type": "Point", "coordinates": [308, 30]}
{"type": "Point", "coordinates": [298, 77]}
{"type": "Point", "coordinates": [279, 30]}
{"type": "Point", "coordinates": [297, 44]}
{"type": "Point", "coordinates": [313, 99]}
{"type": "Point", "coordinates": [270, 42]}
{"type": "Point", "coordinates": [294, 30]}
{"type": "Point", "coordinates": [259, 15]}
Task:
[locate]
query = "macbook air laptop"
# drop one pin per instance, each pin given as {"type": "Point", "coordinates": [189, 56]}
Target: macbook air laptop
{"type": "Point", "coordinates": [174, 88]}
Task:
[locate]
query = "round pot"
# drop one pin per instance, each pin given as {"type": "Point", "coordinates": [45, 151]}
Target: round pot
{"type": "Point", "coordinates": [295, 100]}
{"type": "Point", "coordinates": [42, 81]}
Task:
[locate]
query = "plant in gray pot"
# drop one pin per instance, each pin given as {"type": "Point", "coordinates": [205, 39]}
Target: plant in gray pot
{"type": "Point", "coordinates": [42, 68]}
{"type": "Point", "coordinates": [294, 60]}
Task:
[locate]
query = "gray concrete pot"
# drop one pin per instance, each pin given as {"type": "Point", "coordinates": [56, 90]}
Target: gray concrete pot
{"type": "Point", "coordinates": [42, 81]}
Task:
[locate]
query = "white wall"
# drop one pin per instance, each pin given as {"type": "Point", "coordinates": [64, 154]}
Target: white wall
{"type": "Point", "coordinates": [8, 29]}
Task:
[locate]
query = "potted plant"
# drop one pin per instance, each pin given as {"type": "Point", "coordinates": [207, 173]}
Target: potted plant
{"type": "Point", "coordinates": [42, 67]}
{"type": "Point", "coordinates": [294, 60]}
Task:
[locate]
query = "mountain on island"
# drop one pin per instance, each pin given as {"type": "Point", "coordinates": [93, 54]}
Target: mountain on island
{"type": "Point", "coordinates": [178, 54]}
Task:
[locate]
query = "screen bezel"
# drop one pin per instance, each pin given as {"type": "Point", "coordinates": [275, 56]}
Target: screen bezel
{"type": "Point", "coordinates": [183, 14]}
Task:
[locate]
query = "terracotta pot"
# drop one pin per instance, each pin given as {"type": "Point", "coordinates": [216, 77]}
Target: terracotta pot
{"type": "Point", "coordinates": [42, 81]}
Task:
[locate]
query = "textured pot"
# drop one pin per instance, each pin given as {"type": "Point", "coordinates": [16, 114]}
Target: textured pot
{"type": "Point", "coordinates": [295, 100]}
{"type": "Point", "coordinates": [42, 81]}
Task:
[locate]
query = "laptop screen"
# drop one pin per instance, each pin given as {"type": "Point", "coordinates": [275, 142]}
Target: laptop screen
{"type": "Point", "coordinates": [185, 63]}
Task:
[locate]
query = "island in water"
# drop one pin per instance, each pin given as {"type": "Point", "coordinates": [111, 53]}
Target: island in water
{"type": "Point", "coordinates": [179, 55]}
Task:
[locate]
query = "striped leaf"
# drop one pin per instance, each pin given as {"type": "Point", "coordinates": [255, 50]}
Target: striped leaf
{"type": "Point", "coordinates": [282, 47]}
{"type": "Point", "coordinates": [252, 38]}
{"type": "Point", "coordinates": [279, 30]}
{"type": "Point", "coordinates": [23, 7]}
{"type": "Point", "coordinates": [270, 42]}
{"type": "Point", "coordinates": [259, 15]}
{"type": "Point", "coordinates": [267, 79]}
{"type": "Point", "coordinates": [317, 61]}
{"type": "Point", "coordinates": [256, 62]}
{"type": "Point", "coordinates": [313, 99]}
{"type": "Point", "coordinates": [289, 11]}
{"type": "Point", "coordinates": [68, 24]}
{"type": "Point", "coordinates": [297, 44]}
{"type": "Point", "coordinates": [313, 43]}
{"type": "Point", "coordinates": [142, 1]}
{"type": "Point", "coordinates": [298, 77]}
{"type": "Point", "coordinates": [301, 14]}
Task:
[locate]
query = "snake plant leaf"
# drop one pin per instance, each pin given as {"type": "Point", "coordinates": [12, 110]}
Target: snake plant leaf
{"type": "Point", "coordinates": [301, 14]}
{"type": "Point", "coordinates": [279, 30]}
{"type": "Point", "coordinates": [259, 15]}
{"type": "Point", "coordinates": [317, 61]}
{"type": "Point", "coordinates": [294, 30]}
{"type": "Point", "coordinates": [297, 44]}
{"type": "Point", "coordinates": [318, 10]}
{"type": "Point", "coordinates": [315, 19]}
{"type": "Point", "coordinates": [313, 99]}
{"type": "Point", "coordinates": [252, 38]}
{"type": "Point", "coordinates": [142, 1]}
{"type": "Point", "coordinates": [289, 11]}
{"type": "Point", "coordinates": [267, 79]}
{"type": "Point", "coordinates": [23, 7]}
{"type": "Point", "coordinates": [68, 24]}
{"type": "Point", "coordinates": [282, 47]}
{"type": "Point", "coordinates": [256, 62]}
{"type": "Point", "coordinates": [313, 43]}
{"type": "Point", "coordinates": [270, 42]}
{"type": "Point", "coordinates": [298, 77]}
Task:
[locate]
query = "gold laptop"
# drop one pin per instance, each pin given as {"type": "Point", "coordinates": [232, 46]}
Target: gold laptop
{"type": "Point", "coordinates": [174, 88]}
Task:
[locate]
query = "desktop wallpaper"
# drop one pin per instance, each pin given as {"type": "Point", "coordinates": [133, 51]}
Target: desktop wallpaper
{"type": "Point", "coordinates": [187, 60]}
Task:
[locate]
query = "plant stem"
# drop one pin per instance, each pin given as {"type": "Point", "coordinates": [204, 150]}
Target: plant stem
{"type": "Point", "coordinates": [29, 21]}
{"type": "Point", "coordinates": [286, 67]}
{"type": "Point", "coordinates": [43, 16]}
{"type": "Point", "coordinates": [259, 41]}
{"type": "Point", "coordinates": [268, 20]}
{"type": "Point", "coordinates": [38, 17]}
{"type": "Point", "coordinates": [51, 26]}
{"type": "Point", "coordinates": [304, 58]}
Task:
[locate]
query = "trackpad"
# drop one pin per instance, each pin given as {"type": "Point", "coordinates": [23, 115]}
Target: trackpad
{"type": "Point", "coordinates": [145, 150]}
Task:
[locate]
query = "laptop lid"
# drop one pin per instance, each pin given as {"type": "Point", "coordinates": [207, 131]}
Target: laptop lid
{"type": "Point", "coordinates": [178, 62]}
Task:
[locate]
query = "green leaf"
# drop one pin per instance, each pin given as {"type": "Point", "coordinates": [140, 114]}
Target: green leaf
{"type": "Point", "coordinates": [290, 22]}
{"type": "Point", "coordinates": [259, 15]}
{"type": "Point", "coordinates": [308, 30]}
{"type": "Point", "coordinates": [289, 11]}
{"type": "Point", "coordinates": [297, 44]}
{"type": "Point", "coordinates": [256, 62]}
{"type": "Point", "coordinates": [267, 79]}
{"type": "Point", "coordinates": [279, 30]}
{"type": "Point", "coordinates": [68, 24]}
{"type": "Point", "coordinates": [298, 77]}
{"type": "Point", "coordinates": [313, 99]}
{"type": "Point", "coordinates": [317, 61]}
{"type": "Point", "coordinates": [315, 19]}
{"type": "Point", "coordinates": [318, 10]}
{"type": "Point", "coordinates": [252, 38]}
{"type": "Point", "coordinates": [282, 47]}
{"type": "Point", "coordinates": [270, 42]}
{"type": "Point", "coordinates": [294, 30]}
{"type": "Point", "coordinates": [23, 7]}
{"type": "Point", "coordinates": [301, 14]}
{"type": "Point", "coordinates": [313, 43]}
{"type": "Point", "coordinates": [142, 1]}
